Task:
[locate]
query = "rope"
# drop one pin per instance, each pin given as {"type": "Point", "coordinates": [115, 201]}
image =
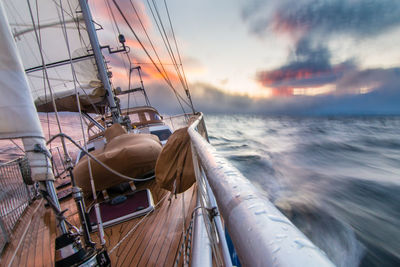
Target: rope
{"type": "Point", "coordinates": [136, 226]}
{"type": "Point", "coordinates": [183, 224]}
{"type": "Point", "coordinates": [187, 236]}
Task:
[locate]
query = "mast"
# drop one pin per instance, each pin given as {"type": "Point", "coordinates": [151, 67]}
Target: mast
{"type": "Point", "coordinates": [101, 66]}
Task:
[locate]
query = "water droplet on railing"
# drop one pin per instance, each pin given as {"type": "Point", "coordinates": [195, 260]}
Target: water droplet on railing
{"type": "Point", "coordinates": [249, 197]}
{"type": "Point", "coordinates": [258, 212]}
{"type": "Point", "coordinates": [301, 243]}
{"type": "Point", "coordinates": [278, 219]}
{"type": "Point", "coordinates": [276, 250]}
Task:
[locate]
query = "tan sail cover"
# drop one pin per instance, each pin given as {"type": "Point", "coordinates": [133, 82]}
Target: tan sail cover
{"type": "Point", "coordinates": [91, 101]}
{"type": "Point", "coordinates": [130, 154]}
{"type": "Point", "coordinates": [175, 163]}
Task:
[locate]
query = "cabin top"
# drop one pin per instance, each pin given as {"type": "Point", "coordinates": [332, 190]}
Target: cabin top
{"type": "Point", "coordinates": [141, 116]}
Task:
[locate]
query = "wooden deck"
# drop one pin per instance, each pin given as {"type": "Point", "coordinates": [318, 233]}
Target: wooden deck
{"type": "Point", "coordinates": [155, 240]}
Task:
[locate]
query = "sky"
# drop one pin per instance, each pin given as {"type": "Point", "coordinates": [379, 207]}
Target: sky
{"type": "Point", "coordinates": [284, 57]}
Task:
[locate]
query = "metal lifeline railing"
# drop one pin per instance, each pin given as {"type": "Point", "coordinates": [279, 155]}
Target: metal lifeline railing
{"type": "Point", "coordinates": [261, 234]}
{"type": "Point", "coordinates": [15, 197]}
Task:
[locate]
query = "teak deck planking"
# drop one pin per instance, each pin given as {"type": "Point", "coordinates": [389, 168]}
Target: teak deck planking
{"type": "Point", "coordinates": [155, 242]}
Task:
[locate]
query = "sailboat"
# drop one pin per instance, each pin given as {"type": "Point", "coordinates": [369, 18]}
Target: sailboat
{"type": "Point", "coordinates": [190, 206]}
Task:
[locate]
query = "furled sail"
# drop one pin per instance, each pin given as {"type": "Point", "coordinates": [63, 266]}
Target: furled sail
{"type": "Point", "coordinates": [49, 36]}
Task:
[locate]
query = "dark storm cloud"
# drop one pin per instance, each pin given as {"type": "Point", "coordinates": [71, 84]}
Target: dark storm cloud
{"type": "Point", "coordinates": [310, 58]}
{"type": "Point", "coordinates": [361, 18]}
{"type": "Point", "coordinates": [312, 23]}
{"type": "Point", "coordinates": [308, 66]}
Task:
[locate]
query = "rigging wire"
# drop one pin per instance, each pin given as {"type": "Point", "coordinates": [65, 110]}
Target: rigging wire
{"type": "Point", "coordinates": [149, 56]}
{"type": "Point", "coordinates": [43, 73]}
{"type": "Point", "coordinates": [39, 43]}
{"type": "Point", "coordinates": [75, 79]}
{"type": "Point", "coordinates": [179, 56]}
{"type": "Point", "coordinates": [168, 46]}
{"type": "Point", "coordinates": [152, 47]}
{"type": "Point", "coordinates": [155, 52]}
{"type": "Point", "coordinates": [97, 211]}
{"type": "Point", "coordinates": [176, 44]}
{"type": "Point", "coordinates": [111, 14]}
{"type": "Point", "coordinates": [164, 37]}
{"type": "Point", "coordinates": [115, 25]}
{"type": "Point", "coordinates": [110, 11]}
{"type": "Point", "coordinates": [148, 38]}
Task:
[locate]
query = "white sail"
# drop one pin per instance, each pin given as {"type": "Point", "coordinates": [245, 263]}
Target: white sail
{"type": "Point", "coordinates": [41, 29]}
{"type": "Point", "coordinates": [18, 116]}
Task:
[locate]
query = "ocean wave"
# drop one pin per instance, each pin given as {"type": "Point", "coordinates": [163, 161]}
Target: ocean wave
{"type": "Point", "coordinates": [335, 238]}
{"type": "Point", "coordinates": [337, 179]}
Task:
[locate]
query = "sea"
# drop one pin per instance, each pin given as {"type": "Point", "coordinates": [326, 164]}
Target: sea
{"type": "Point", "coordinates": [336, 178]}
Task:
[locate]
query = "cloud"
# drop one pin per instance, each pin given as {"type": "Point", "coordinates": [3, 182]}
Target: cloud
{"type": "Point", "coordinates": [326, 17]}
{"type": "Point", "coordinates": [344, 78]}
{"type": "Point", "coordinates": [361, 81]}
{"type": "Point", "coordinates": [118, 62]}
{"type": "Point", "coordinates": [193, 65]}
{"type": "Point", "coordinates": [313, 23]}
{"type": "Point", "coordinates": [308, 66]}
{"type": "Point", "coordinates": [360, 18]}
{"type": "Point", "coordinates": [106, 16]}
{"type": "Point", "coordinates": [382, 100]}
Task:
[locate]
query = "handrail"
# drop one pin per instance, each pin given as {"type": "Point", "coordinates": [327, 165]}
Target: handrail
{"type": "Point", "coordinates": [261, 234]}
